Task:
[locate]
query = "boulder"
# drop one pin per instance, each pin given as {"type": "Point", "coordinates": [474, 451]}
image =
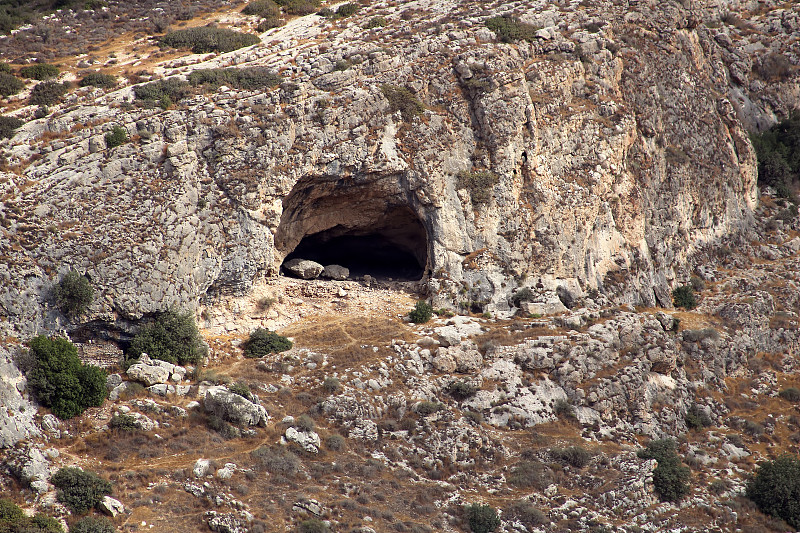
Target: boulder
{"type": "Point", "coordinates": [201, 467]}
{"type": "Point", "coordinates": [308, 440]}
{"type": "Point", "coordinates": [304, 268]}
{"type": "Point", "coordinates": [336, 272]}
{"type": "Point", "coordinates": [110, 506]}
{"type": "Point", "coordinates": [153, 372]}
{"type": "Point", "coordinates": [234, 408]}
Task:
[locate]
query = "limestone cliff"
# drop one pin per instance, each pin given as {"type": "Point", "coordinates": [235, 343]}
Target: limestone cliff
{"type": "Point", "coordinates": [617, 138]}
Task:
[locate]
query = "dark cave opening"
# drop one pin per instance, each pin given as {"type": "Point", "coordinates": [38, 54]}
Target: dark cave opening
{"type": "Point", "coordinates": [393, 246]}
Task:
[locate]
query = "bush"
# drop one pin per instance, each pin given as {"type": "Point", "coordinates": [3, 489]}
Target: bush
{"type": "Point", "coordinates": [530, 474]}
{"type": "Point", "coordinates": [422, 312]}
{"type": "Point", "coordinates": [778, 153]}
{"type": "Point", "coordinates": [73, 294]}
{"type": "Point", "coordinates": [208, 39]}
{"type": "Point", "coordinates": [48, 92]}
{"type": "Point", "coordinates": [775, 489]}
{"type": "Point", "coordinates": [564, 410]}
{"type": "Point", "coordinates": [162, 92]}
{"type": "Point", "coordinates": [576, 456]}
{"type": "Point", "coordinates": [276, 460]}
{"type": "Point", "coordinates": [241, 389]}
{"type": "Point", "coordinates": [80, 490]}
{"type": "Point", "coordinates": [9, 84]}
{"type": "Point", "coordinates": [117, 137]}
{"type": "Point", "coordinates": [346, 10]}
{"type": "Point", "coordinates": [335, 443]}
{"type": "Point", "coordinates": [479, 184]}
{"type": "Point", "coordinates": [376, 22]}
{"type": "Point", "coordinates": [696, 418]}
{"type": "Point", "coordinates": [671, 478]}
{"type": "Point", "coordinates": [521, 295]}
{"type": "Point", "coordinates": [304, 423]}
{"type": "Point", "coordinates": [526, 513]}
{"type": "Point", "coordinates": [5, 67]}
{"type": "Point", "coordinates": [313, 525]}
{"type": "Point", "coordinates": [263, 342]}
{"type": "Point", "coordinates": [262, 8]}
{"type": "Point", "coordinates": [8, 125]}
{"type": "Point", "coordinates": [403, 100]}
{"type": "Point", "coordinates": [331, 385]}
{"type": "Point", "coordinates": [98, 79]}
{"type": "Point", "coordinates": [91, 524]}
{"type": "Point", "coordinates": [239, 78]}
{"type": "Point", "coordinates": [428, 408]}
{"type": "Point", "coordinates": [683, 296]}
{"type": "Point", "coordinates": [510, 29]}
{"type": "Point", "coordinates": [14, 520]}
{"type": "Point", "coordinates": [171, 337]}
{"type": "Point", "coordinates": [792, 394]}
{"type": "Point", "coordinates": [39, 71]}
{"type": "Point", "coordinates": [59, 380]}
{"type": "Point", "coordinates": [123, 422]}
{"type": "Point", "coordinates": [481, 518]}
{"type": "Point", "coordinates": [461, 390]}
{"type": "Point", "coordinates": [299, 7]}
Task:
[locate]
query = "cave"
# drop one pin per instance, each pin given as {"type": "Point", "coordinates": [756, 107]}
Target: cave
{"type": "Point", "coordinates": [368, 227]}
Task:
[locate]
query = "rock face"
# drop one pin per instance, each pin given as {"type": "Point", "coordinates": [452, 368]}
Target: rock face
{"type": "Point", "coordinates": [234, 408]}
{"type": "Point", "coordinates": [614, 153]}
{"type": "Point", "coordinates": [18, 412]}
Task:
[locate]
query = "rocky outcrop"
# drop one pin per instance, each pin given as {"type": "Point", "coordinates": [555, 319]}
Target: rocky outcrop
{"type": "Point", "coordinates": [615, 142]}
{"type": "Point", "coordinates": [17, 415]}
{"type": "Point", "coordinates": [234, 408]}
{"type": "Point", "coordinates": [153, 371]}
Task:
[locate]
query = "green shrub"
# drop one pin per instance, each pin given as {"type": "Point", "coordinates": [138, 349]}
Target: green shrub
{"type": "Point", "coordinates": [428, 408]}
{"type": "Point", "coordinates": [481, 518]}
{"type": "Point", "coordinates": [530, 474]}
{"type": "Point", "coordinates": [208, 39]}
{"type": "Point", "coordinates": [239, 78]}
{"type": "Point", "coordinates": [48, 92]}
{"type": "Point", "coordinates": [510, 29]}
{"type": "Point", "coordinates": [683, 296]}
{"type": "Point", "coordinates": [39, 71]}
{"type": "Point", "coordinates": [5, 67]}
{"type": "Point", "coordinates": [335, 443]}
{"type": "Point", "coordinates": [403, 100]}
{"type": "Point", "coordinates": [576, 456]}
{"type": "Point", "coordinates": [10, 84]}
{"type": "Point", "coordinates": [671, 478]}
{"type": "Point", "coordinates": [90, 524]}
{"type": "Point", "coordinates": [123, 422]}
{"type": "Point", "coordinates": [171, 337]}
{"type": "Point", "coordinates": [778, 153]}
{"type": "Point", "coordinates": [526, 513]}
{"type": "Point", "coordinates": [269, 23]}
{"type": "Point", "coordinates": [331, 385]}
{"type": "Point", "coordinates": [313, 525]}
{"type": "Point", "coordinates": [461, 390]}
{"type": "Point", "coordinates": [347, 10]}
{"type": "Point", "coordinates": [262, 8]}
{"type": "Point", "coordinates": [775, 489]}
{"type": "Point", "coordinates": [14, 520]}
{"type": "Point", "coordinates": [299, 7]}
{"type": "Point", "coordinates": [59, 380]}
{"type": "Point", "coordinates": [376, 22]}
{"type": "Point", "coordinates": [479, 184]}
{"type": "Point", "coordinates": [73, 294]}
{"type": "Point", "coordinates": [117, 137]}
{"type": "Point", "coordinates": [792, 394]}
{"type": "Point", "coordinates": [564, 410]}
{"type": "Point", "coordinates": [422, 312]}
{"type": "Point", "coordinates": [98, 79]}
{"type": "Point", "coordinates": [80, 490]}
{"type": "Point", "coordinates": [263, 342]}
{"type": "Point", "coordinates": [304, 423]}
{"type": "Point", "coordinates": [8, 125]}
{"type": "Point", "coordinates": [521, 295]}
{"type": "Point", "coordinates": [696, 418]}
{"type": "Point", "coordinates": [276, 459]}
{"type": "Point", "coordinates": [242, 389]}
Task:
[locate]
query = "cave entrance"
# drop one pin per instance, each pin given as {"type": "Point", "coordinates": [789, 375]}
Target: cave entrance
{"type": "Point", "coordinates": [368, 228]}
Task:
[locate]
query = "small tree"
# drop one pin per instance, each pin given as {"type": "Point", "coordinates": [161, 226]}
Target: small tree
{"type": "Point", "coordinates": [683, 296]}
{"type": "Point", "coordinates": [775, 489]}
{"type": "Point", "coordinates": [171, 337]}
{"type": "Point", "coordinates": [73, 294]}
{"type": "Point", "coordinates": [80, 490]}
{"type": "Point", "coordinates": [422, 312]}
{"type": "Point", "coordinates": [263, 342]}
{"type": "Point", "coordinates": [117, 137]}
{"type": "Point", "coordinates": [671, 478]}
{"type": "Point", "coordinates": [482, 518]}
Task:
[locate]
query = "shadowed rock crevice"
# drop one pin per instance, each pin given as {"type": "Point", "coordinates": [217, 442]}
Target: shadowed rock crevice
{"type": "Point", "coordinates": [368, 227]}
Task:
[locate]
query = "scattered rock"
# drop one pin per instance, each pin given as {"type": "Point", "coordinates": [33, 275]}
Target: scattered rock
{"type": "Point", "coordinates": [110, 506]}
{"type": "Point", "coordinates": [336, 272]}
{"type": "Point", "coordinates": [304, 268]}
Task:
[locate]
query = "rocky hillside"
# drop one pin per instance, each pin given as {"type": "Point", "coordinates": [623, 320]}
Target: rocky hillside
{"type": "Point", "coordinates": [546, 175]}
